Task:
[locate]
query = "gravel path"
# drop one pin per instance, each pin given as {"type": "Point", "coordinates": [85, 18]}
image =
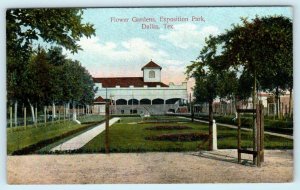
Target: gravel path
{"type": "Point", "coordinates": [189, 167]}
{"type": "Point", "coordinates": [82, 139]}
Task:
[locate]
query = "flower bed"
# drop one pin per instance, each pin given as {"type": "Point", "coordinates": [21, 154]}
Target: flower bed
{"type": "Point", "coordinates": [179, 137]}
{"type": "Point", "coordinates": [168, 127]}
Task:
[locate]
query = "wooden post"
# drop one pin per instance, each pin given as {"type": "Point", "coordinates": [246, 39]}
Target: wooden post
{"type": "Point", "coordinates": [239, 138]}
{"type": "Point", "coordinates": [262, 131]}
{"type": "Point", "coordinates": [254, 134]}
{"type": "Point", "coordinates": [25, 117]}
{"type": "Point", "coordinates": [258, 116]}
{"type": "Point", "coordinates": [10, 117]}
{"type": "Point", "coordinates": [107, 128]}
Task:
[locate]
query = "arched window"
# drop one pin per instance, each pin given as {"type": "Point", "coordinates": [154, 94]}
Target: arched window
{"type": "Point", "coordinates": [151, 74]}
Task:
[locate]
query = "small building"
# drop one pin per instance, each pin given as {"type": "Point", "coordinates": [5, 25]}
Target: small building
{"type": "Point", "coordinates": [141, 95]}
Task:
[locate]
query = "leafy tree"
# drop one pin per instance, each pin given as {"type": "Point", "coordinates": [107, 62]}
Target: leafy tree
{"type": "Point", "coordinates": [211, 84]}
{"type": "Point", "coordinates": [36, 81]}
{"type": "Point", "coordinates": [60, 27]}
{"type": "Point", "coordinates": [63, 27]}
{"type": "Point", "coordinates": [244, 86]}
{"type": "Point", "coordinates": [78, 86]}
{"type": "Point", "coordinates": [56, 59]}
{"type": "Point", "coordinates": [263, 48]}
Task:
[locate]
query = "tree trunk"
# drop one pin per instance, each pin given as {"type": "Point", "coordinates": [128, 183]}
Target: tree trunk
{"type": "Point", "coordinates": [290, 102]}
{"type": "Point", "coordinates": [16, 113]}
{"type": "Point", "coordinates": [74, 111]}
{"type": "Point", "coordinates": [32, 111]}
{"type": "Point", "coordinates": [68, 110]}
{"type": "Point", "coordinates": [210, 125]}
{"type": "Point", "coordinates": [53, 110]}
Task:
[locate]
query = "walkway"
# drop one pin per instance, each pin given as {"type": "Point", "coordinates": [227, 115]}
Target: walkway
{"type": "Point", "coordinates": [152, 167]}
{"type": "Point", "coordinates": [82, 139]}
{"type": "Point", "coordinates": [246, 129]}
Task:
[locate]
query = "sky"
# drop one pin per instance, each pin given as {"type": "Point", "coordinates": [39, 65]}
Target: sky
{"type": "Point", "coordinates": [122, 48]}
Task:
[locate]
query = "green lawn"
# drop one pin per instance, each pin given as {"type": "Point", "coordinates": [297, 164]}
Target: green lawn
{"type": "Point", "coordinates": [283, 126]}
{"type": "Point", "coordinates": [129, 136]}
{"type": "Point", "coordinates": [19, 138]}
{"type": "Point", "coordinates": [91, 118]}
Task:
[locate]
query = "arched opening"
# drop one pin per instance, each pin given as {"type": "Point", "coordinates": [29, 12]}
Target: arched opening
{"type": "Point", "coordinates": [172, 100]}
{"type": "Point", "coordinates": [121, 102]}
{"type": "Point", "coordinates": [151, 74]}
{"type": "Point", "coordinates": [145, 102]}
{"type": "Point", "coordinates": [133, 102]}
{"type": "Point", "coordinates": [158, 101]}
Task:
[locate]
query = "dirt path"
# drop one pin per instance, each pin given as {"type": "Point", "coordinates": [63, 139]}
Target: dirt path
{"type": "Point", "coordinates": [189, 167]}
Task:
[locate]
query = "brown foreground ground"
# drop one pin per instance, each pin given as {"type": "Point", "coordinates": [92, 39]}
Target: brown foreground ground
{"type": "Point", "coordinates": [189, 167]}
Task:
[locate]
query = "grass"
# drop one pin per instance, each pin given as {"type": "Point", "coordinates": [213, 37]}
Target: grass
{"type": "Point", "coordinates": [46, 149]}
{"type": "Point", "coordinates": [91, 118]}
{"type": "Point", "coordinates": [130, 136]}
{"type": "Point", "coordinates": [284, 126]}
{"type": "Point", "coordinates": [21, 138]}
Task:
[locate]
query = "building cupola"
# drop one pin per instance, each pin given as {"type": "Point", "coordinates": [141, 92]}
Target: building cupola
{"type": "Point", "coordinates": [151, 72]}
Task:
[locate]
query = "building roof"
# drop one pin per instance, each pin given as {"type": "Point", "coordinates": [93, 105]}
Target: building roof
{"type": "Point", "coordinates": [126, 82]}
{"type": "Point", "coordinates": [99, 99]}
{"type": "Point", "coordinates": [151, 64]}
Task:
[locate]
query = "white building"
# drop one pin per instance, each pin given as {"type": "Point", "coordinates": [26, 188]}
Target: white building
{"type": "Point", "coordinates": [146, 94]}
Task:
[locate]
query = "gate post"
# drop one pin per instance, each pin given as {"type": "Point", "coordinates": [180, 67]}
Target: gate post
{"type": "Point", "coordinates": [258, 133]}
{"type": "Point", "coordinates": [239, 137]}
{"type": "Point", "coordinates": [262, 131]}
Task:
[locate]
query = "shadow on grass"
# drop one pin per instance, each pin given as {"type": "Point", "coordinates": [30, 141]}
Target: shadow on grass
{"type": "Point", "coordinates": [222, 157]}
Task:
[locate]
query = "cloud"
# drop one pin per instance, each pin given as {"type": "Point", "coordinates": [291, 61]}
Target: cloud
{"type": "Point", "coordinates": [125, 58]}
{"type": "Point", "coordinates": [189, 35]}
{"type": "Point", "coordinates": [130, 50]}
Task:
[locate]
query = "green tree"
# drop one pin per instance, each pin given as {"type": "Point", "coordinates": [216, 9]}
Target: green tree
{"type": "Point", "coordinates": [263, 48]}
{"type": "Point", "coordinates": [36, 83]}
{"type": "Point", "coordinates": [78, 85]}
{"type": "Point", "coordinates": [60, 27]}
{"type": "Point", "coordinates": [210, 83]}
{"type": "Point", "coordinates": [56, 59]}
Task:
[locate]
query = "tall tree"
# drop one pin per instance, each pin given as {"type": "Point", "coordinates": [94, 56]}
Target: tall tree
{"type": "Point", "coordinates": [60, 27]}
{"type": "Point", "coordinates": [78, 86]}
{"type": "Point", "coordinates": [263, 48]}
{"type": "Point", "coordinates": [210, 83]}
{"type": "Point", "coordinates": [36, 83]}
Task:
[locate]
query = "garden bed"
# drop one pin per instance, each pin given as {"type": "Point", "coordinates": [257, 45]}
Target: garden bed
{"type": "Point", "coordinates": [168, 127]}
{"type": "Point", "coordinates": [183, 137]}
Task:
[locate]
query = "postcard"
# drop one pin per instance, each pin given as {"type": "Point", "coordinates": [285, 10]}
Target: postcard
{"type": "Point", "coordinates": [149, 95]}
